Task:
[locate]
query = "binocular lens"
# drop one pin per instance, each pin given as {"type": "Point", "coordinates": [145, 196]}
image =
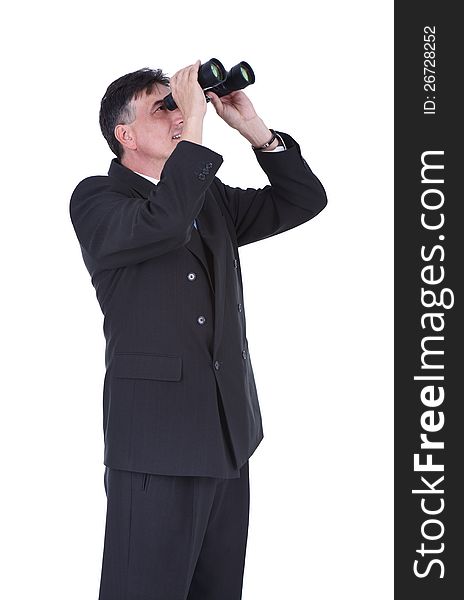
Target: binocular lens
{"type": "Point", "coordinates": [211, 73]}
{"type": "Point", "coordinates": [245, 73]}
{"type": "Point", "coordinates": [240, 76]}
{"type": "Point", "coordinates": [216, 71]}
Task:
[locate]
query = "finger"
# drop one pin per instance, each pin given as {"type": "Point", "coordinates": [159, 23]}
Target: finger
{"type": "Point", "coordinates": [214, 98]}
{"type": "Point", "coordinates": [194, 67]}
{"type": "Point", "coordinates": [193, 72]}
{"type": "Point", "coordinates": [191, 69]}
{"type": "Point", "coordinates": [215, 101]}
{"type": "Point", "coordinates": [183, 72]}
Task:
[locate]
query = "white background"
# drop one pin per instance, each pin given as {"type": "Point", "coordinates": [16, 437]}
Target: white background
{"type": "Point", "coordinates": [318, 299]}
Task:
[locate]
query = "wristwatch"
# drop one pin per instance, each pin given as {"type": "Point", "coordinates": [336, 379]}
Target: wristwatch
{"type": "Point", "coordinates": [267, 144]}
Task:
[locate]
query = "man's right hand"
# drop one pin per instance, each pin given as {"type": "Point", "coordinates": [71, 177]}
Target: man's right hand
{"type": "Point", "coordinates": [187, 92]}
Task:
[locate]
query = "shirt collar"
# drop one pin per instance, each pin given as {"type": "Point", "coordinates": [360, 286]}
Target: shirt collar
{"type": "Point", "coordinates": [152, 179]}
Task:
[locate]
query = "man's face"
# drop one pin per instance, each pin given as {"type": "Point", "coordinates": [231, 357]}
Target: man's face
{"type": "Point", "coordinates": [153, 129]}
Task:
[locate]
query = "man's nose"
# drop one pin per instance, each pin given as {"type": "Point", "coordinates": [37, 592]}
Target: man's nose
{"type": "Point", "coordinates": [177, 116]}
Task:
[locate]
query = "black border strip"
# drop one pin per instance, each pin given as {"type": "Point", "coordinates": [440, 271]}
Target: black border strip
{"type": "Point", "coordinates": [429, 271]}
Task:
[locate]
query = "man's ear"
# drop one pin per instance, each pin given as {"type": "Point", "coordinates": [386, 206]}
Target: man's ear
{"type": "Point", "coordinates": [125, 136]}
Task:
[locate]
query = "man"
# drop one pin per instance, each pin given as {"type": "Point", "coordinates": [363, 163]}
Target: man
{"type": "Point", "coordinates": [159, 236]}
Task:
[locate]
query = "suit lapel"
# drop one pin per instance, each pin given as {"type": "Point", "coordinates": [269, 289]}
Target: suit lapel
{"type": "Point", "coordinates": [213, 232]}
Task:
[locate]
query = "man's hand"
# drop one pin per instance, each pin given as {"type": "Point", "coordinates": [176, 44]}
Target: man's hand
{"type": "Point", "coordinates": [237, 111]}
{"type": "Point", "coordinates": [190, 100]}
{"type": "Point", "coordinates": [235, 108]}
{"type": "Point", "coordinates": [187, 92]}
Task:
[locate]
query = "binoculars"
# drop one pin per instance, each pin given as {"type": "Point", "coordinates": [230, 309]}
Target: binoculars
{"type": "Point", "coordinates": [213, 76]}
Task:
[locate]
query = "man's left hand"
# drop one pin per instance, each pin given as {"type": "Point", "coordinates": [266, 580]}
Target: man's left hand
{"type": "Point", "coordinates": [237, 111]}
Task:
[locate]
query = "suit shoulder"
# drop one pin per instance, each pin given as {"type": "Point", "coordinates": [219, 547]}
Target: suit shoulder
{"type": "Point", "coordinates": [96, 192]}
{"type": "Point", "coordinates": [96, 186]}
{"type": "Point", "coordinates": [90, 183]}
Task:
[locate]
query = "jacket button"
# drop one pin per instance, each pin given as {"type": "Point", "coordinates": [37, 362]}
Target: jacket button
{"type": "Point", "coordinates": [191, 276]}
{"type": "Point", "coordinates": [201, 176]}
{"type": "Point", "coordinates": [235, 263]}
{"type": "Point", "coordinates": [239, 307]}
{"type": "Point", "coordinates": [217, 365]}
{"type": "Point", "coordinates": [244, 354]}
{"type": "Point", "coordinates": [201, 319]}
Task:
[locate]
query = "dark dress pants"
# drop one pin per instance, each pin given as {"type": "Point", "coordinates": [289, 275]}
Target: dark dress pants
{"type": "Point", "coordinates": [171, 537]}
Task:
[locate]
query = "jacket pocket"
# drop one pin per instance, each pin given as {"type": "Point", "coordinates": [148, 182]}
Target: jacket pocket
{"type": "Point", "coordinates": [147, 366]}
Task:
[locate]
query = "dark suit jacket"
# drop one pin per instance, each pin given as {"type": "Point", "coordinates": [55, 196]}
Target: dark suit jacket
{"type": "Point", "coordinates": [179, 395]}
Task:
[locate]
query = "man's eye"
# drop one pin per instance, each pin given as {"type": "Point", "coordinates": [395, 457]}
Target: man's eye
{"type": "Point", "coordinates": [161, 107]}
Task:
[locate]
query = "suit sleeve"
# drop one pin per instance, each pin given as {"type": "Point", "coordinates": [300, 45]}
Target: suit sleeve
{"type": "Point", "coordinates": [115, 229]}
{"type": "Point", "coordinates": [295, 195]}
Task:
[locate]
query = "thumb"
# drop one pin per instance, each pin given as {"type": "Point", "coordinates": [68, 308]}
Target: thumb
{"type": "Point", "coordinates": [213, 97]}
{"type": "Point", "coordinates": [215, 102]}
